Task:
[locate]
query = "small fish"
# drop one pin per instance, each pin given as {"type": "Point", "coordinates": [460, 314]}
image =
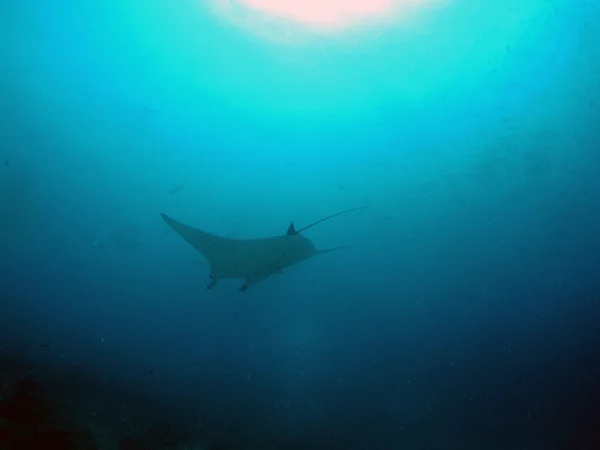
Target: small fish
{"type": "Point", "coordinates": [44, 345]}
{"type": "Point", "coordinates": [174, 190]}
{"type": "Point", "coordinates": [148, 109]}
{"type": "Point", "coordinates": [7, 163]}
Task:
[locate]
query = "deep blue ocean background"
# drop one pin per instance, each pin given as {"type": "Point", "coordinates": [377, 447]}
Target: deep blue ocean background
{"type": "Point", "coordinates": [466, 313]}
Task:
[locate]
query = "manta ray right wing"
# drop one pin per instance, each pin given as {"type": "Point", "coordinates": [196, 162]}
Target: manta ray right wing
{"type": "Point", "coordinates": [214, 248]}
{"type": "Point", "coordinates": [206, 243]}
{"type": "Point", "coordinates": [231, 258]}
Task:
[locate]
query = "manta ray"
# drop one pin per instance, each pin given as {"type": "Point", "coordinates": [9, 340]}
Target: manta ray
{"type": "Point", "coordinates": [251, 259]}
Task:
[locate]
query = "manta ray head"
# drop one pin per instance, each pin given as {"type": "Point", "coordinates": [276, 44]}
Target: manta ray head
{"type": "Point", "coordinates": [301, 247]}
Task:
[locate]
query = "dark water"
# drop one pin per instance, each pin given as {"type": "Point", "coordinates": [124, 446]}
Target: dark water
{"type": "Point", "coordinates": [464, 316]}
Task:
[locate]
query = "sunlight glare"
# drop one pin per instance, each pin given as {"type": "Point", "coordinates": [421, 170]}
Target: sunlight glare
{"type": "Point", "coordinates": [322, 13]}
{"type": "Point", "coordinates": [316, 15]}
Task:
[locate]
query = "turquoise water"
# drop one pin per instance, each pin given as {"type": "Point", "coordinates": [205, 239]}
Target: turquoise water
{"type": "Point", "coordinates": [468, 299]}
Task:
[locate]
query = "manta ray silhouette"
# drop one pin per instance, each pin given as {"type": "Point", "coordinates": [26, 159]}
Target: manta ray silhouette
{"type": "Point", "coordinates": [251, 259]}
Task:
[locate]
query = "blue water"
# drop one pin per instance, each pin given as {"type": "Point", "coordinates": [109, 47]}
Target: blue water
{"type": "Point", "coordinates": [463, 316]}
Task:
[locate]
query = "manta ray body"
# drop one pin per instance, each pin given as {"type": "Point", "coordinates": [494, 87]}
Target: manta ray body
{"type": "Point", "coordinates": [251, 259]}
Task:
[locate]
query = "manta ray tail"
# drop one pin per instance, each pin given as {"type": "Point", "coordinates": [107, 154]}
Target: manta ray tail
{"type": "Point", "coordinates": [334, 249]}
{"type": "Point", "coordinates": [292, 229]}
